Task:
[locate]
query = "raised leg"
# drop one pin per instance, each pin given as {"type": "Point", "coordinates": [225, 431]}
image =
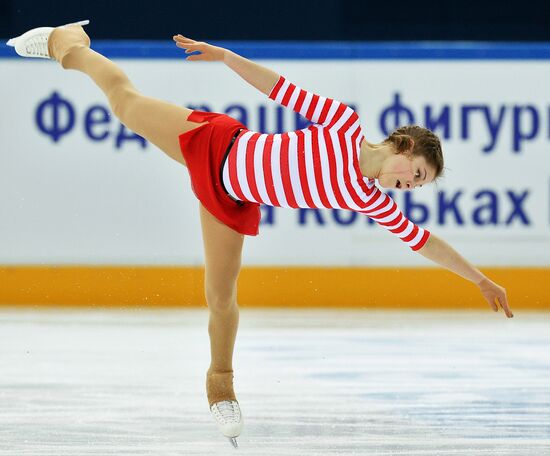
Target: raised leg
{"type": "Point", "coordinates": [222, 248]}
{"type": "Point", "coordinates": [157, 121]}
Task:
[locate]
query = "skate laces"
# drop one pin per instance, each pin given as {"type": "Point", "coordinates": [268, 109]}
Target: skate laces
{"type": "Point", "coordinates": [37, 46]}
{"type": "Point", "coordinates": [227, 411]}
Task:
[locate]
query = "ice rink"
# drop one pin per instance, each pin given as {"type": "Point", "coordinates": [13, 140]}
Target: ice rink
{"type": "Point", "coordinates": [309, 383]}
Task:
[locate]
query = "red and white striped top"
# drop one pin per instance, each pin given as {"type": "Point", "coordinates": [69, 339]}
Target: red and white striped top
{"type": "Point", "coordinates": [316, 167]}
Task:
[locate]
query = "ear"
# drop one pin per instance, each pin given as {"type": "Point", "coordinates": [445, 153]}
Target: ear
{"type": "Point", "coordinates": [404, 141]}
{"type": "Point", "coordinates": [409, 151]}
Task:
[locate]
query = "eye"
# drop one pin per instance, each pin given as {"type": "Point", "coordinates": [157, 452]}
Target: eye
{"type": "Point", "coordinates": [417, 174]}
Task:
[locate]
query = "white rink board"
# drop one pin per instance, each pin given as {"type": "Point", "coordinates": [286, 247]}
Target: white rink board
{"type": "Point", "coordinates": [82, 201]}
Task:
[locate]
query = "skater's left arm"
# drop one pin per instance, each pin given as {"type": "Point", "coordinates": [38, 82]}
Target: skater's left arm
{"type": "Point", "coordinates": [437, 250]}
{"type": "Point", "coordinates": [313, 107]}
{"type": "Point", "coordinates": [262, 78]}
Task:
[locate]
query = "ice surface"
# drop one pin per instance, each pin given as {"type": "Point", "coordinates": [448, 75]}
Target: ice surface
{"type": "Point", "coordinates": [309, 383]}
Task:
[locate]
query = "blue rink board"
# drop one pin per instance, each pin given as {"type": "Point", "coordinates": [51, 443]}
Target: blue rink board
{"type": "Point", "coordinates": [327, 50]}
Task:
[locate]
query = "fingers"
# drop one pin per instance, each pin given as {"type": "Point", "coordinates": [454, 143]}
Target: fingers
{"type": "Point", "coordinates": [190, 47]}
{"type": "Point", "coordinates": [495, 295]}
{"type": "Point", "coordinates": [195, 57]}
{"type": "Point", "coordinates": [182, 39]}
{"type": "Point", "coordinates": [504, 304]}
{"type": "Point", "coordinates": [187, 45]}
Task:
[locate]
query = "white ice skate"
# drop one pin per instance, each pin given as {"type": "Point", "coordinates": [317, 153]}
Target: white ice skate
{"type": "Point", "coordinates": [34, 43]}
{"type": "Point", "coordinates": [227, 415]}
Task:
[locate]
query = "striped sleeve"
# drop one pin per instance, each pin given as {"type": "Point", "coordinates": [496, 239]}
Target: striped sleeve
{"type": "Point", "coordinates": [313, 107]}
{"type": "Point", "coordinates": [385, 212]}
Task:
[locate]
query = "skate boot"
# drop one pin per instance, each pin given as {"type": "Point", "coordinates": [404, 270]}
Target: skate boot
{"type": "Point", "coordinates": [227, 415]}
{"type": "Point", "coordinates": [223, 404]}
{"type": "Point", "coordinates": [36, 42]}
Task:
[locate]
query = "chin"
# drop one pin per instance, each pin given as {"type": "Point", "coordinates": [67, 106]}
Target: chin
{"type": "Point", "coordinates": [383, 183]}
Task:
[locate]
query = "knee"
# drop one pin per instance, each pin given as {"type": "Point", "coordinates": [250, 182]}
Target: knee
{"type": "Point", "coordinates": [221, 301]}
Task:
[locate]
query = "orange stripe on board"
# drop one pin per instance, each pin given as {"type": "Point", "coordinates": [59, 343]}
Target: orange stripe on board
{"type": "Point", "coordinates": [402, 288]}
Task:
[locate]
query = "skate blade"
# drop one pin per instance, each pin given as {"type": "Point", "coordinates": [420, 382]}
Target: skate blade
{"type": "Point", "coordinates": [233, 441]}
{"type": "Point", "coordinates": [85, 22]}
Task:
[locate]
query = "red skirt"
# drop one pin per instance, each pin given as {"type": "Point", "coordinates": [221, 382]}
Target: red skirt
{"type": "Point", "coordinates": [203, 150]}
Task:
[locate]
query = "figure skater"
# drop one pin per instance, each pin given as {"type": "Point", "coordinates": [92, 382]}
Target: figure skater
{"type": "Point", "coordinates": [233, 170]}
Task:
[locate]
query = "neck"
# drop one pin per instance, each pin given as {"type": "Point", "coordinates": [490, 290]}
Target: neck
{"type": "Point", "coordinates": [371, 158]}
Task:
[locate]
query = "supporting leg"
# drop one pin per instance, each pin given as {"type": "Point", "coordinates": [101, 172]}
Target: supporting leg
{"type": "Point", "coordinates": [157, 121]}
{"type": "Point", "coordinates": [222, 247]}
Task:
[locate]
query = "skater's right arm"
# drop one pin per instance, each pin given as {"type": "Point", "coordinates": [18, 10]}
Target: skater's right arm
{"type": "Point", "coordinates": [313, 107]}
{"type": "Point", "coordinates": [438, 251]}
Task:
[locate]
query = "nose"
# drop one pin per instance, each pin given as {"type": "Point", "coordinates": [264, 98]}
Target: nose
{"type": "Point", "coordinates": [409, 185]}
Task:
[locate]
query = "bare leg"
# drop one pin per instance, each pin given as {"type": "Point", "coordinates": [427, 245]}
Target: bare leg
{"type": "Point", "coordinates": [222, 248]}
{"type": "Point", "coordinates": [157, 121]}
{"type": "Point", "coordinates": [161, 123]}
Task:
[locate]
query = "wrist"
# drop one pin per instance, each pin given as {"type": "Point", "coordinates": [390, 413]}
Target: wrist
{"type": "Point", "coordinates": [226, 55]}
{"type": "Point", "coordinates": [481, 281]}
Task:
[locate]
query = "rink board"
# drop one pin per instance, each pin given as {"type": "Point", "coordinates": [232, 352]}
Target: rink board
{"type": "Point", "coordinates": [399, 288]}
{"type": "Point", "coordinates": [84, 196]}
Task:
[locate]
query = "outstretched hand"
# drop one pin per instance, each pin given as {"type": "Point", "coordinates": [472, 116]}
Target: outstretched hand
{"type": "Point", "coordinates": [494, 295]}
{"type": "Point", "coordinates": [207, 51]}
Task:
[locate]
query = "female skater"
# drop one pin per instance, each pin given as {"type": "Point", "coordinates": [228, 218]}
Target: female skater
{"type": "Point", "coordinates": [232, 170]}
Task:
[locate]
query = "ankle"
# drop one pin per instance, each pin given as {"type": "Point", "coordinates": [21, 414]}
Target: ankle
{"type": "Point", "coordinates": [212, 371]}
{"type": "Point", "coordinates": [72, 56]}
{"type": "Point", "coordinates": [219, 386]}
{"type": "Point", "coordinates": [66, 42]}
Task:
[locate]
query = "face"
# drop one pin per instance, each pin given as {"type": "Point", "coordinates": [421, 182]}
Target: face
{"type": "Point", "coordinates": [404, 172]}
